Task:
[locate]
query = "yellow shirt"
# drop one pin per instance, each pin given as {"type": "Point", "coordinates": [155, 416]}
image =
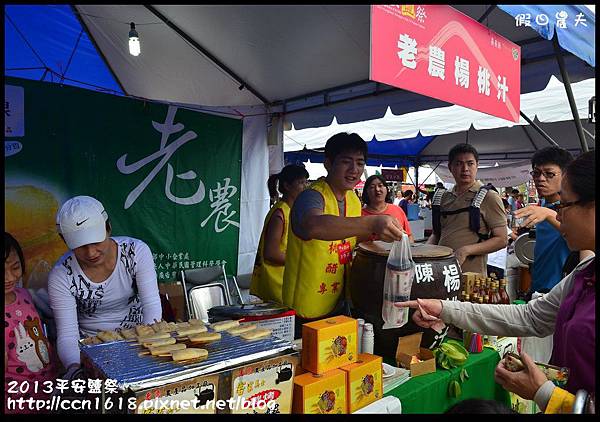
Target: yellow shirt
{"type": "Point", "coordinates": [313, 279]}
{"type": "Point", "coordinates": [267, 278]}
{"type": "Point", "coordinates": [561, 401]}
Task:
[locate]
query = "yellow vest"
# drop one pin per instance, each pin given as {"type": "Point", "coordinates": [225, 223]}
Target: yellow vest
{"type": "Point", "coordinates": [561, 401]}
{"type": "Point", "coordinates": [313, 279]}
{"type": "Point", "coordinates": [268, 278]}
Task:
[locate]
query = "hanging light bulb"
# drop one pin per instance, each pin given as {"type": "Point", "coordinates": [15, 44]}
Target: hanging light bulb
{"type": "Point", "coordinates": [134, 41]}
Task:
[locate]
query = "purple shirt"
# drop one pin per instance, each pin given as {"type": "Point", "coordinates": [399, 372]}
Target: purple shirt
{"type": "Point", "coordinates": [575, 334]}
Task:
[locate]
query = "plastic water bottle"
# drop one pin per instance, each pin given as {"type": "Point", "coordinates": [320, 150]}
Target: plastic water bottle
{"type": "Point", "coordinates": [361, 325]}
{"type": "Point", "coordinates": [368, 338]}
{"type": "Point", "coordinates": [399, 274]}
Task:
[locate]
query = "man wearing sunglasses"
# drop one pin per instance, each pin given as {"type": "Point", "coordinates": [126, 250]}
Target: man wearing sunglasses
{"type": "Point", "coordinates": [551, 250]}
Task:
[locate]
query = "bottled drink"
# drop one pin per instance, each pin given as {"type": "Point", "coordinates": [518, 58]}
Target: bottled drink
{"type": "Point", "coordinates": [490, 292]}
{"type": "Point", "coordinates": [480, 300]}
{"type": "Point", "coordinates": [495, 295]}
{"type": "Point", "coordinates": [477, 287]}
{"type": "Point", "coordinates": [399, 275]}
{"type": "Point", "coordinates": [467, 298]}
{"type": "Point", "coordinates": [504, 298]}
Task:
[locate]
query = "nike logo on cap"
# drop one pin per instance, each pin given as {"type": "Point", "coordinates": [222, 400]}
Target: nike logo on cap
{"type": "Point", "coordinates": [81, 222]}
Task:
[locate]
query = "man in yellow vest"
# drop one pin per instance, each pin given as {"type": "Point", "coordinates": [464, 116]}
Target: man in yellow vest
{"type": "Point", "coordinates": [325, 224]}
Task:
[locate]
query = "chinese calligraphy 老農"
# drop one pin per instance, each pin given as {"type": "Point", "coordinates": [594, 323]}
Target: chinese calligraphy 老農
{"type": "Point", "coordinates": [166, 151]}
{"type": "Point", "coordinates": [220, 204]}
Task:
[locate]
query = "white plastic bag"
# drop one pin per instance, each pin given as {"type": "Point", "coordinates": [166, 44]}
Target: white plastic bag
{"type": "Point", "coordinates": [539, 348]}
{"type": "Point", "coordinates": [399, 274]}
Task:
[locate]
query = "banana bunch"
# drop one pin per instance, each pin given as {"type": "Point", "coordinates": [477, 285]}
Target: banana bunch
{"type": "Point", "coordinates": [450, 354]}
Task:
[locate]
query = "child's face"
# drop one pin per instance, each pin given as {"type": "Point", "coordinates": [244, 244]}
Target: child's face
{"type": "Point", "coordinates": [12, 272]}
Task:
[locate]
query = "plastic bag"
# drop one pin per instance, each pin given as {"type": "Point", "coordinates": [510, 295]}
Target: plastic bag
{"type": "Point", "coordinates": [539, 348]}
{"type": "Point", "coordinates": [399, 275]}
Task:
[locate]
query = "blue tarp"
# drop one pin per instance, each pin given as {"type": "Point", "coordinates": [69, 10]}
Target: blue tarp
{"type": "Point", "coordinates": [578, 34]}
{"type": "Point", "coordinates": [399, 152]}
{"type": "Point", "coordinates": [47, 42]}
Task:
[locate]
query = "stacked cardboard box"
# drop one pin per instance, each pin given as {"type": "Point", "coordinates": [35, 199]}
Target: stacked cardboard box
{"type": "Point", "coordinates": [339, 380]}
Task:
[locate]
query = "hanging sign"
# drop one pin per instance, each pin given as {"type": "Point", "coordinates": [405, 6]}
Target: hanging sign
{"type": "Point", "coordinates": [437, 51]}
{"type": "Point", "coordinates": [500, 176]}
{"type": "Point", "coordinates": [394, 175]}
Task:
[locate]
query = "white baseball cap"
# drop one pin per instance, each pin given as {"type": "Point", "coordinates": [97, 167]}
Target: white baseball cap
{"type": "Point", "coordinates": [81, 221]}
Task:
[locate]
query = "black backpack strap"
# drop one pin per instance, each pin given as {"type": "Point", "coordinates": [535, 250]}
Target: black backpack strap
{"type": "Point", "coordinates": [475, 212]}
{"type": "Point", "coordinates": [436, 212]}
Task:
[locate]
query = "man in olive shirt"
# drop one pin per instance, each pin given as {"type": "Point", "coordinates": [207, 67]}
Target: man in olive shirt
{"type": "Point", "coordinates": [469, 250]}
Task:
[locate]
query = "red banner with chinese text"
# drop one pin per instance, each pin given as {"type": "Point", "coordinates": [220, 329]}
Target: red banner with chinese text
{"type": "Point", "coordinates": [437, 51]}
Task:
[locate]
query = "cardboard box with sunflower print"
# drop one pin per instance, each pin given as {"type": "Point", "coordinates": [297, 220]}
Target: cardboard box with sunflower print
{"type": "Point", "coordinates": [329, 344]}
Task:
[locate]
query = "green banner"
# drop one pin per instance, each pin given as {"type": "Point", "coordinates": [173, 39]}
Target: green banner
{"type": "Point", "coordinates": [168, 176]}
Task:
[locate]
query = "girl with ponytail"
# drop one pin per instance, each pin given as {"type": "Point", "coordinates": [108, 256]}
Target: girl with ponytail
{"type": "Point", "coordinates": [267, 277]}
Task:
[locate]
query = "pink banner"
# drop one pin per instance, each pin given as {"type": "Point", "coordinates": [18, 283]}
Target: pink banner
{"type": "Point", "coordinates": [437, 51]}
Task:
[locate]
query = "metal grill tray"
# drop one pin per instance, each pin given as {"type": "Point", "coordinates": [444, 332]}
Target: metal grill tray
{"type": "Point", "coordinates": [119, 360]}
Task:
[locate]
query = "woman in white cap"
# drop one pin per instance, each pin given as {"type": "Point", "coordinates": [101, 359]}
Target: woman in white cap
{"type": "Point", "coordinates": [101, 283]}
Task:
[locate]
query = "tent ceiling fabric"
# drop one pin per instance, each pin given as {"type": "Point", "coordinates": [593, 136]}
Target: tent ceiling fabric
{"type": "Point", "coordinates": [285, 53]}
{"type": "Point", "coordinates": [268, 46]}
{"type": "Point", "coordinates": [168, 68]}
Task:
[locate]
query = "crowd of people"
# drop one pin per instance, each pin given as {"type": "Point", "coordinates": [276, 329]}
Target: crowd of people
{"type": "Point", "coordinates": [304, 258]}
{"type": "Point", "coordinates": [473, 220]}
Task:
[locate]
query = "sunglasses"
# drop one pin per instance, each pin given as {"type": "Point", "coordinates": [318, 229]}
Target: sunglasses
{"type": "Point", "coordinates": [563, 205]}
{"type": "Point", "coordinates": [547, 174]}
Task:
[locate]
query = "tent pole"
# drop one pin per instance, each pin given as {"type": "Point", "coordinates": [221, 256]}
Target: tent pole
{"type": "Point", "coordinates": [529, 137]}
{"type": "Point", "coordinates": [486, 13]}
{"type": "Point", "coordinates": [539, 129]}
{"type": "Point", "coordinates": [417, 176]}
{"type": "Point", "coordinates": [567, 83]}
{"type": "Point", "coordinates": [436, 166]}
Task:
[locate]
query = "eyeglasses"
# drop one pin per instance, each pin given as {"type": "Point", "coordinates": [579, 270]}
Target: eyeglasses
{"type": "Point", "coordinates": [563, 205]}
{"type": "Point", "coordinates": [547, 174]}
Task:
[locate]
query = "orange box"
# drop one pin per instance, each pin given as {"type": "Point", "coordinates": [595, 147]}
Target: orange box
{"type": "Point", "coordinates": [320, 394]}
{"type": "Point", "coordinates": [364, 382]}
{"type": "Point", "coordinates": [329, 343]}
